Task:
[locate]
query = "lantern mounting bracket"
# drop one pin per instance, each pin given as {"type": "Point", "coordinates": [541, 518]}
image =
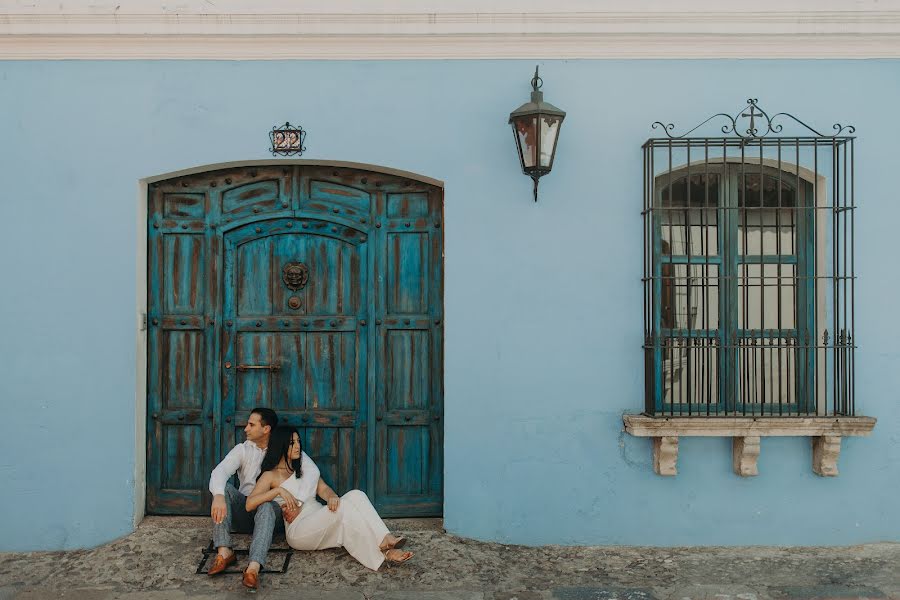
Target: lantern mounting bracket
{"type": "Point", "coordinates": [536, 81]}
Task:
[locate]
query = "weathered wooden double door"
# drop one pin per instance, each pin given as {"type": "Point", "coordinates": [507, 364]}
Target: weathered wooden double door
{"type": "Point", "coordinates": [315, 291]}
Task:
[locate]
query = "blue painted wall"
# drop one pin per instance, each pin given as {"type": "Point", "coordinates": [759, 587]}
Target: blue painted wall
{"type": "Point", "coordinates": [543, 301]}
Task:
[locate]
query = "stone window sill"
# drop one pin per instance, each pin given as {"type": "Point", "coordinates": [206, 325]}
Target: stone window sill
{"type": "Point", "coordinates": [745, 433]}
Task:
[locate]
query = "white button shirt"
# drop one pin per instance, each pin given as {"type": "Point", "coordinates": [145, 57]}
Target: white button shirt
{"type": "Point", "coordinates": [245, 460]}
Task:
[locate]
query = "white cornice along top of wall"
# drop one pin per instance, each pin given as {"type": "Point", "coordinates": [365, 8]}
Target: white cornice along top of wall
{"type": "Point", "coordinates": [448, 29]}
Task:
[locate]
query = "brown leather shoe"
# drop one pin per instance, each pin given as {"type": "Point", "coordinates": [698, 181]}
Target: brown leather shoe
{"type": "Point", "coordinates": [251, 580]}
{"type": "Point", "coordinates": [220, 564]}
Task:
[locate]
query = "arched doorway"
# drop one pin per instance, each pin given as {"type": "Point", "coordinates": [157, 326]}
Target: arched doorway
{"type": "Point", "coordinates": [313, 289]}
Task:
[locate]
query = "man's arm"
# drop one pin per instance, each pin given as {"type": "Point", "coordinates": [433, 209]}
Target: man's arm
{"type": "Point", "coordinates": [225, 469]}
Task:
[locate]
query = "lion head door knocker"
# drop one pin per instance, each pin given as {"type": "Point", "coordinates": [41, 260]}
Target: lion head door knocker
{"type": "Point", "coordinates": [295, 275]}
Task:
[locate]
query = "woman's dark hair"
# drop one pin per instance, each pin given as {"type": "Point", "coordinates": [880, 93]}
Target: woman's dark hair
{"type": "Point", "coordinates": [280, 447]}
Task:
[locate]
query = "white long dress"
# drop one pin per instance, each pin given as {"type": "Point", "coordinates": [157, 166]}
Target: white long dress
{"type": "Point", "coordinates": [355, 525]}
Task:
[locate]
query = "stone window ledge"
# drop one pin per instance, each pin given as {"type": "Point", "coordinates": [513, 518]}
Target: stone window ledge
{"type": "Point", "coordinates": [745, 433]}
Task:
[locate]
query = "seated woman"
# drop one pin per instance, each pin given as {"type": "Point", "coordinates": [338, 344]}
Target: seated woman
{"type": "Point", "coordinates": [291, 478]}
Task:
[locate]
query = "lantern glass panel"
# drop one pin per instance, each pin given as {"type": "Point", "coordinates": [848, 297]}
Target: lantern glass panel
{"type": "Point", "coordinates": [549, 133]}
{"type": "Point", "coordinates": [525, 130]}
{"type": "Point", "coordinates": [518, 142]}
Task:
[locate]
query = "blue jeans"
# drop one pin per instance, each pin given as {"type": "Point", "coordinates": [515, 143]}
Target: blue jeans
{"type": "Point", "coordinates": [262, 523]}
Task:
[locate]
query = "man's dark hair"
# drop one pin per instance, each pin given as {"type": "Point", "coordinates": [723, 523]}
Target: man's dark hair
{"type": "Point", "coordinates": [267, 416]}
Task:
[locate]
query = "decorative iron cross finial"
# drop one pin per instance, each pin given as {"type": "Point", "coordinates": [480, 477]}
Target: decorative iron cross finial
{"type": "Point", "coordinates": [767, 124]}
{"type": "Point", "coordinates": [752, 114]}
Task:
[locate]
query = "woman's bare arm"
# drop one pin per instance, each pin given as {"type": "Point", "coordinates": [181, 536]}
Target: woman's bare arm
{"type": "Point", "coordinates": [324, 491]}
{"type": "Point", "coordinates": [327, 494]}
{"type": "Point", "coordinates": [266, 491]}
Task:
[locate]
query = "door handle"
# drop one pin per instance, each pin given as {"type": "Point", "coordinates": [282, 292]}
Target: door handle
{"type": "Point", "coordinates": [258, 367]}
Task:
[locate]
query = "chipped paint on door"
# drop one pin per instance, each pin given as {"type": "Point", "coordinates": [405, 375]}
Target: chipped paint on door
{"type": "Point", "coordinates": [316, 291]}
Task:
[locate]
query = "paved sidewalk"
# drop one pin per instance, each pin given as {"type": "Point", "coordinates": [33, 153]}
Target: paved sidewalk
{"type": "Point", "coordinates": [159, 560]}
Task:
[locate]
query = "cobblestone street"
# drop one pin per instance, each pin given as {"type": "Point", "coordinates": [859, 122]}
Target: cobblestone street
{"type": "Point", "coordinates": [159, 562]}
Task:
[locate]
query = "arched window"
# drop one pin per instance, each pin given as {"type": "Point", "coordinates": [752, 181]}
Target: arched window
{"type": "Point", "coordinates": [736, 290]}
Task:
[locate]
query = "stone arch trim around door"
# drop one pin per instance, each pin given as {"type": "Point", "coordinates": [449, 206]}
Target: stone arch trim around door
{"type": "Point", "coordinates": [315, 289]}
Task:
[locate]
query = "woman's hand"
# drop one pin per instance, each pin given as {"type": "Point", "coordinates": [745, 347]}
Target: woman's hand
{"type": "Point", "coordinates": [289, 501]}
{"type": "Point", "coordinates": [333, 503]}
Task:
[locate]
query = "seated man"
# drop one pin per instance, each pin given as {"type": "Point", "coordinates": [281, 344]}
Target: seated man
{"type": "Point", "coordinates": [228, 506]}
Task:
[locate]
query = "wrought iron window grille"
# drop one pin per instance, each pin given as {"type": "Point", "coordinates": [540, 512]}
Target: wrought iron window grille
{"type": "Point", "coordinates": [749, 274]}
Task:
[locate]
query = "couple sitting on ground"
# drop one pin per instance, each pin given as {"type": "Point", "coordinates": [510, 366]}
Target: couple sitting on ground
{"type": "Point", "coordinates": [278, 488]}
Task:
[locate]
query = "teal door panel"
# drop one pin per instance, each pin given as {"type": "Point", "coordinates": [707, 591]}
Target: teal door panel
{"type": "Point", "coordinates": [315, 291]}
{"type": "Point", "coordinates": [409, 394]}
{"type": "Point", "coordinates": [299, 346]}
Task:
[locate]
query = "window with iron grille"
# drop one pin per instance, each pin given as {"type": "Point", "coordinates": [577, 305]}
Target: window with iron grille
{"type": "Point", "coordinates": [749, 269]}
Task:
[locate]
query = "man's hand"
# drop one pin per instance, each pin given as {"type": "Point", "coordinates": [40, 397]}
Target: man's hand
{"type": "Point", "coordinates": [218, 508]}
{"type": "Point", "coordinates": [288, 514]}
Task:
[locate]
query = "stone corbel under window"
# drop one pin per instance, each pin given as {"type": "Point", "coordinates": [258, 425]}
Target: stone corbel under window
{"type": "Point", "coordinates": [745, 432]}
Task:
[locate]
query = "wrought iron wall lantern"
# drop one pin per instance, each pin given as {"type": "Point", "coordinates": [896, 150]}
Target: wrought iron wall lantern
{"type": "Point", "coordinates": [287, 140]}
{"type": "Point", "coordinates": [535, 127]}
